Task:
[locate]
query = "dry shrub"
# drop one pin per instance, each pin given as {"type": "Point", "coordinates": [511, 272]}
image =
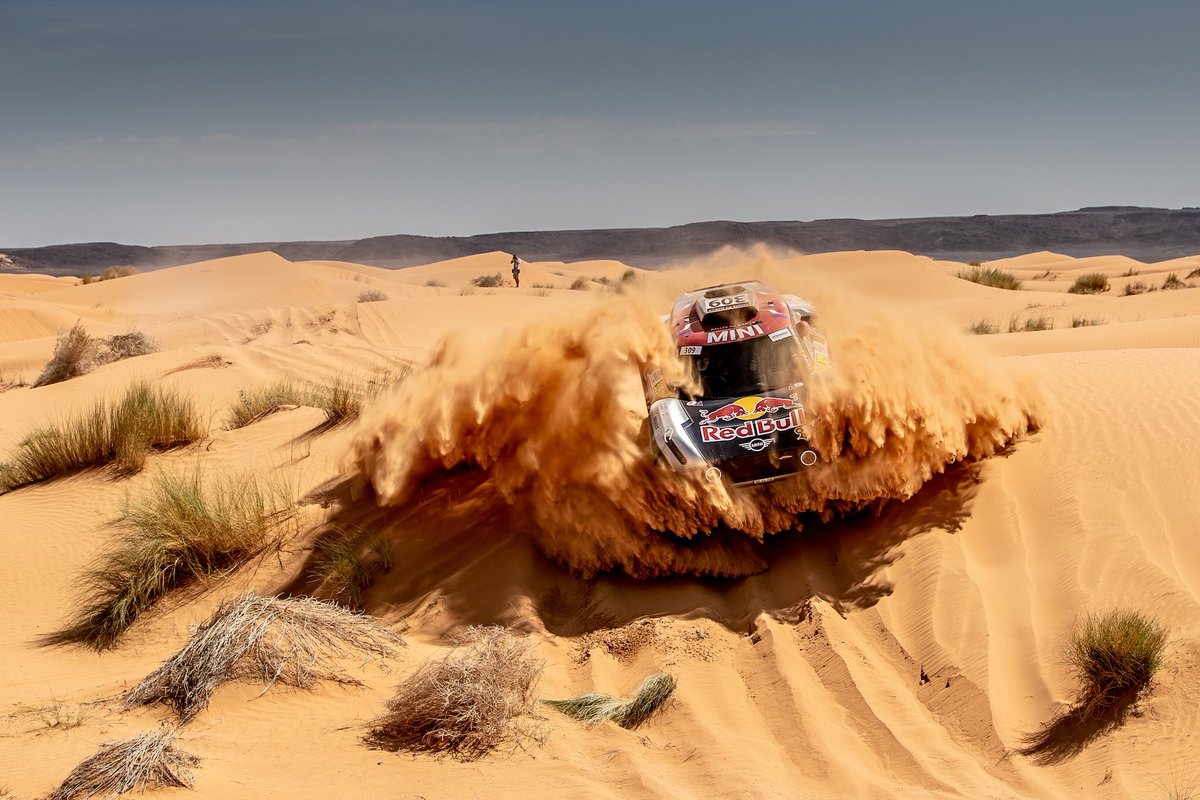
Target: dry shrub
{"type": "Point", "coordinates": [594, 708]}
{"type": "Point", "coordinates": [74, 355]}
{"type": "Point", "coordinates": [125, 345]}
{"type": "Point", "coordinates": [1091, 283]}
{"type": "Point", "coordinates": [467, 703]}
{"type": "Point", "coordinates": [372, 296]}
{"type": "Point", "coordinates": [108, 273]}
{"type": "Point", "coordinates": [179, 531]}
{"type": "Point", "coordinates": [1133, 287]}
{"type": "Point", "coordinates": [294, 641]}
{"type": "Point", "coordinates": [1115, 655]}
{"type": "Point", "coordinates": [148, 760]}
{"type": "Point", "coordinates": [77, 353]}
{"type": "Point", "coordinates": [347, 563]}
{"type": "Point", "coordinates": [121, 434]}
{"type": "Point", "coordinates": [487, 281]}
{"type": "Point", "coordinates": [1193, 274]}
{"type": "Point", "coordinates": [434, 282]}
{"type": "Point", "coordinates": [580, 284]}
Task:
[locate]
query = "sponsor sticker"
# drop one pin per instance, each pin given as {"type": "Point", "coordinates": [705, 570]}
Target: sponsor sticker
{"type": "Point", "coordinates": [758, 417]}
{"type": "Point", "coordinates": [782, 333]}
{"type": "Point", "coordinates": [690, 350]}
{"type": "Point", "coordinates": [727, 303]}
{"type": "Point", "coordinates": [735, 334]}
{"type": "Point", "coordinates": [753, 429]}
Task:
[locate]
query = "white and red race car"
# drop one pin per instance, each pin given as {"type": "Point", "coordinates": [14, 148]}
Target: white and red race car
{"type": "Point", "coordinates": [751, 352]}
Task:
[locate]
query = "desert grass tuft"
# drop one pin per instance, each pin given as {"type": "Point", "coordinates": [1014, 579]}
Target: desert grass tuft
{"type": "Point", "coordinates": [1085, 322]}
{"type": "Point", "coordinates": [1172, 282]}
{"type": "Point", "coordinates": [372, 296]}
{"type": "Point", "coordinates": [148, 760]}
{"type": "Point", "coordinates": [1091, 283]}
{"type": "Point", "coordinates": [581, 284]}
{"type": "Point", "coordinates": [996, 278]}
{"type": "Point", "coordinates": [294, 641]}
{"type": "Point", "coordinates": [347, 563]}
{"type": "Point", "coordinates": [1038, 323]}
{"type": "Point", "coordinates": [466, 704]}
{"type": "Point", "coordinates": [1193, 274]}
{"type": "Point", "coordinates": [181, 530]}
{"type": "Point", "coordinates": [594, 708]}
{"type": "Point", "coordinates": [1134, 287]}
{"type": "Point", "coordinates": [984, 327]}
{"type": "Point", "coordinates": [254, 404]}
{"type": "Point", "coordinates": [343, 396]}
{"type": "Point", "coordinates": [120, 434]}
{"type": "Point", "coordinates": [1115, 655]}
{"type": "Point", "coordinates": [434, 282]}
{"type": "Point", "coordinates": [487, 281]}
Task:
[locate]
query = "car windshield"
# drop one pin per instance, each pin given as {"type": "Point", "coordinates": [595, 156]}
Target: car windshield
{"type": "Point", "coordinates": [751, 366]}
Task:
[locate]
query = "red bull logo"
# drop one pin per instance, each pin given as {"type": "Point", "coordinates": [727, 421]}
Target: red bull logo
{"type": "Point", "coordinates": [756, 415]}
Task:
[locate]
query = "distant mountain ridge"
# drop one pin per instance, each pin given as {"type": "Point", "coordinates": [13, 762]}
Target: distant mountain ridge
{"type": "Point", "coordinates": [1146, 234]}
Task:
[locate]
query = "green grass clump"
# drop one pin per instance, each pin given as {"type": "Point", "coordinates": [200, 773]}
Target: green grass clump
{"type": "Point", "coordinates": [347, 564]}
{"type": "Point", "coordinates": [121, 434]}
{"type": "Point", "coordinates": [487, 281]}
{"type": "Point", "coordinates": [996, 278]}
{"type": "Point", "coordinates": [1091, 283]}
{"type": "Point", "coordinates": [984, 327]}
{"type": "Point", "coordinates": [341, 397]}
{"type": "Point", "coordinates": [1114, 655]}
{"type": "Point", "coordinates": [181, 530]}
{"type": "Point", "coordinates": [594, 707]}
{"type": "Point", "coordinates": [372, 296]}
{"type": "Point", "coordinates": [254, 404]}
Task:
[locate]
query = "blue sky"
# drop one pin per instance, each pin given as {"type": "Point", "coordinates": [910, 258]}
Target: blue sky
{"type": "Point", "coordinates": [159, 121]}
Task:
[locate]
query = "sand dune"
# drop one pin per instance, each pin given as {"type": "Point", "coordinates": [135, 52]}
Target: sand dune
{"type": "Point", "coordinates": [902, 652]}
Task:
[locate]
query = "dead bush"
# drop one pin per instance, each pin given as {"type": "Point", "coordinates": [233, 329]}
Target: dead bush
{"type": "Point", "coordinates": [466, 704]}
{"type": "Point", "coordinates": [294, 641]}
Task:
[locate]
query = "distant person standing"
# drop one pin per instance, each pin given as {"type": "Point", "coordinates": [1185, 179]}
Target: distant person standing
{"type": "Point", "coordinates": [516, 270]}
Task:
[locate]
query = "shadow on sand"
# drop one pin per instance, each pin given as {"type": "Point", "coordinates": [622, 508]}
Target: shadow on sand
{"type": "Point", "coordinates": [1066, 736]}
{"type": "Point", "coordinates": [460, 547]}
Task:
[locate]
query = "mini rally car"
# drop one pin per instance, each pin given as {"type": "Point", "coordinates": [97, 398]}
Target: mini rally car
{"type": "Point", "coordinates": [752, 353]}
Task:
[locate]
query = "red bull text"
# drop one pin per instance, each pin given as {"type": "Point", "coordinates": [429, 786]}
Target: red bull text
{"type": "Point", "coordinates": [764, 426]}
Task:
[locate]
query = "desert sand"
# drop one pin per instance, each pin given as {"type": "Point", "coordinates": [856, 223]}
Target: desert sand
{"type": "Point", "coordinates": [1029, 477]}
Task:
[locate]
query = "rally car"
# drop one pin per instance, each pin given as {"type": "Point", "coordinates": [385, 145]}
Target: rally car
{"type": "Point", "coordinates": [751, 352]}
